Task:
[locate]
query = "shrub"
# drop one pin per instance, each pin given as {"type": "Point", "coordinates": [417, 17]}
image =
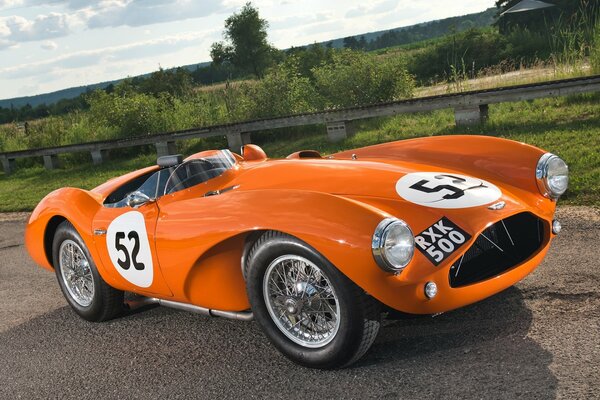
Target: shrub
{"type": "Point", "coordinates": [282, 91]}
{"type": "Point", "coordinates": [355, 78]}
{"type": "Point", "coordinates": [132, 113]}
{"type": "Point", "coordinates": [468, 51]}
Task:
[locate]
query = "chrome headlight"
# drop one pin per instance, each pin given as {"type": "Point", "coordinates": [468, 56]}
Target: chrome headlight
{"type": "Point", "coordinates": [393, 245]}
{"type": "Point", "coordinates": [552, 175]}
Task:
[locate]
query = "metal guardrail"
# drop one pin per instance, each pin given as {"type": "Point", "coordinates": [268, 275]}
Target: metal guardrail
{"type": "Point", "coordinates": [469, 108]}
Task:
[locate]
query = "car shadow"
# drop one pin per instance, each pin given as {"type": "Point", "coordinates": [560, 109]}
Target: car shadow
{"type": "Point", "coordinates": [479, 351]}
{"type": "Point", "coordinates": [481, 348]}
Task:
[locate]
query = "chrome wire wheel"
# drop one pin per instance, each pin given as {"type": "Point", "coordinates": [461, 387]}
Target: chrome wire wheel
{"type": "Point", "coordinates": [301, 301]}
{"type": "Point", "coordinates": [76, 273]}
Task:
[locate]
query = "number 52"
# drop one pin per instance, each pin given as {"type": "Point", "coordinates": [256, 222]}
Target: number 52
{"type": "Point", "coordinates": [126, 263]}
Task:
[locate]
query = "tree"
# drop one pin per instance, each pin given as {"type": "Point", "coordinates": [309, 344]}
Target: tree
{"type": "Point", "coordinates": [176, 82]}
{"type": "Point", "coordinates": [310, 57]}
{"type": "Point", "coordinates": [350, 42]}
{"type": "Point", "coordinates": [245, 46]}
{"type": "Point", "coordinates": [362, 43]}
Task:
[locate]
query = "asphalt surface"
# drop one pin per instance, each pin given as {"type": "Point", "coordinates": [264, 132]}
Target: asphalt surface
{"type": "Point", "coordinates": [539, 339]}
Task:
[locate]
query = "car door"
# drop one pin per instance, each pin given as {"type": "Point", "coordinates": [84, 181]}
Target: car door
{"type": "Point", "coordinates": [125, 239]}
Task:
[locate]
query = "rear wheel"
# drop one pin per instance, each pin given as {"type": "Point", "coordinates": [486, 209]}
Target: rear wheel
{"type": "Point", "coordinates": [81, 284]}
{"type": "Point", "coordinates": [309, 310]}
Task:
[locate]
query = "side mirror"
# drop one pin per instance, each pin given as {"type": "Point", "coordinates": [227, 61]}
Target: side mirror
{"type": "Point", "coordinates": [137, 199]}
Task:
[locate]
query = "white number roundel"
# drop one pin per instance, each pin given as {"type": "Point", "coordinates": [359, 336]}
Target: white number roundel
{"type": "Point", "coordinates": [446, 190]}
{"type": "Point", "coordinates": [129, 249]}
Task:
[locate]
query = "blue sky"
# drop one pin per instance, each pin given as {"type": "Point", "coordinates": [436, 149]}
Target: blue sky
{"type": "Point", "coordinates": [47, 45]}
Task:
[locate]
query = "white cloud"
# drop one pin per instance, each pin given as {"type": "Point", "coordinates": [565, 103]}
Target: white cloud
{"type": "Point", "coordinates": [375, 8]}
{"type": "Point", "coordinates": [4, 4]}
{"type": "Point", "coordinates": [16, 29]}
{"type": "Point", "coordinates": [297, 20]}
{"type": "Point", "coordinates": [49, 45]}
{"type": "Point", "coordinates": [72, 4]}
{"type": "Point", "coordinates": [89, 58]}
{"type": "Point", "coordinates": [139, 13]}
{"type": "Point", "coordinates": [105, 13]}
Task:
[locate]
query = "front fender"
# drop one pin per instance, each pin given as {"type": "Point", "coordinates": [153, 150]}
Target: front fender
{"type": "Point", "coordinates": [190, 230]}
{"type": "Point", "coordinates": [75, 205]}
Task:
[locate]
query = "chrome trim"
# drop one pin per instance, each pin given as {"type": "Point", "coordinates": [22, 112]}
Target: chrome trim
{"type": "Point", "coordinates": [497, 206]}
{"type": "Point", "coordinates": [541, 176]}
{"type": "Point", "coordinates": [507, 233]}
{"type": "Point", "coordinates": [459, 264]}
{"type": "Point", "coordinates": [425, 290]}
{"type": "Point", "coordinates": [556, 227]}
{"type": "Point", "coordinates": [220, 191]}
{"type": "Point", "coordinates": [301, 301]}
{"type": "Point", "coordinates": [377, 245]}
{"type": "Point", "coordinates": [99, 232]}
{"type": "Point", "coordinates": [490, 240]}
{"type": "Point", "coordinates": [76, 273]}
{"type": "Point", "coordinates": [137, 199]}
{"type": "Point", "coordinates": [241, 316]}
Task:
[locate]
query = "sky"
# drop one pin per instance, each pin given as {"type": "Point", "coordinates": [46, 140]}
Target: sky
{"type": "Point", "coordinates": [48, 45]}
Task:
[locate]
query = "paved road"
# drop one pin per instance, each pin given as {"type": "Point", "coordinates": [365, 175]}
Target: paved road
{"type": "Point", "coordinates": [540, 339]}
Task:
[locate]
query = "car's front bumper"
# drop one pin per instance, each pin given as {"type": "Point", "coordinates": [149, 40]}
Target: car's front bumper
{"type": "Point", "coordinates": [458, 286]}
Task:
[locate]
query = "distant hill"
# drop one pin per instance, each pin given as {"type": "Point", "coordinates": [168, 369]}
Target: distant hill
{"type": "Point", "coordinates": [378, 39]}
{"type": "Point", "coordinates": [71, 93]}
{"type": "Point", "coordinates": [429, 30]}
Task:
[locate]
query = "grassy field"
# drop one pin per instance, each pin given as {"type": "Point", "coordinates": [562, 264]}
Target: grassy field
{"type": "Point", "coordinates": [569, 127]}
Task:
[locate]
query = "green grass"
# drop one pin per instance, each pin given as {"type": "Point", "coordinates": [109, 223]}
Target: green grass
{"type": "Point", "coordinates": [569, 127]}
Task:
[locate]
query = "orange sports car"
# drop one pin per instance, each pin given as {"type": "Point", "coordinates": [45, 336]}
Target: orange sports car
{"type": "Point", "coordinates": [314, 248]}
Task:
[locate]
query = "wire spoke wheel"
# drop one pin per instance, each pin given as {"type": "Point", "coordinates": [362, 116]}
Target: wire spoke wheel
{"type": "Point", "coordinates": [301, 301]}
{"type": "Point", "coordinates": [76, 273]}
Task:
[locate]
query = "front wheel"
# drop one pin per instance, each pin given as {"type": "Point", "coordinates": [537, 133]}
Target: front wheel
{"type": "Point", "coordinates": [309, 310]}
{"type": "Point", "coordinates": [81, 284]}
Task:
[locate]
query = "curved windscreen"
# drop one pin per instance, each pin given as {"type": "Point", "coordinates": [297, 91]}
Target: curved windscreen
{"type": "Point", "coordinates": [197, 171]}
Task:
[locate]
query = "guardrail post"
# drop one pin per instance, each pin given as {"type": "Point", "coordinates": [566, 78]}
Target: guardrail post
{"type": "Point", "coordinates": [471, 115]}
{"type": "Point", "coordinates": [51, 162]}
{"type": "Point", "coordinates": [98, 156]}
{"type": "Point", "coordinates": [165, 148]}
{"type": "Point", "coordinates": [236, 140]}
{"type": "Point", "coordinates": [336, 131]}
{"type": "Point", "coordinates": [8, 164]}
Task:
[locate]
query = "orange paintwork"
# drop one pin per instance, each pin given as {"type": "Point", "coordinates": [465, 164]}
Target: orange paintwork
{"type": "Point", "coordinates": [333, 204]}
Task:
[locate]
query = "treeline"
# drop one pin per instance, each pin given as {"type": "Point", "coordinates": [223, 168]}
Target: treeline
{"type": "Point", "coordinates": [168, 100]}
{"type": "Point", "coordinates": [421, 32]}
{"type": "Point", "coordinates": [306, 72]}
{"type": "Point", "coordinates": [178, 81]}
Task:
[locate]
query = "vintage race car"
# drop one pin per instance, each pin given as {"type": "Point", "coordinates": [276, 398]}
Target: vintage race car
{"type": "Point", "coordinates": [315, 249]}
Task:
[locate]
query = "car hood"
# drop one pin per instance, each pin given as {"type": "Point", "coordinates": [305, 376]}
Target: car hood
{"type": "Point", "coordinates": [420, 194]}
{"type": "Point", "coordinates": [379, 178]}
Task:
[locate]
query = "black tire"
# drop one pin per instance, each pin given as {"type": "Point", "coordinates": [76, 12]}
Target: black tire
{"type": "Point", "coordinates": [106, 302]}
{"type": "Point", "coordinates": [359, 318]}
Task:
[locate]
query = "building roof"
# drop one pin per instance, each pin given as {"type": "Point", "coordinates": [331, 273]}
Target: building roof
{"type": "Point", "coordinates": [527, 5]}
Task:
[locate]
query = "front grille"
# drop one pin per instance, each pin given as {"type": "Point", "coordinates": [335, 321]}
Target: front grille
{"type": "Point", "coordinates": [500, 247]}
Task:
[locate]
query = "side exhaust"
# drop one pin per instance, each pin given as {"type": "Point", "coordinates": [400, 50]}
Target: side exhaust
{"type": "Point", "coordinates": [145, 301]}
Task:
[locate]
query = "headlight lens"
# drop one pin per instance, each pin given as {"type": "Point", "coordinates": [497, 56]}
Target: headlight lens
{"type": "Point", "coordinates": [393, 245]}
{"type": "Point", "coordinates": [552, 175]}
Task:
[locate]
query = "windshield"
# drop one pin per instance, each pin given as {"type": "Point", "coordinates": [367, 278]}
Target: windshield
{"type": "Point", "coordinates": [197, 171]}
